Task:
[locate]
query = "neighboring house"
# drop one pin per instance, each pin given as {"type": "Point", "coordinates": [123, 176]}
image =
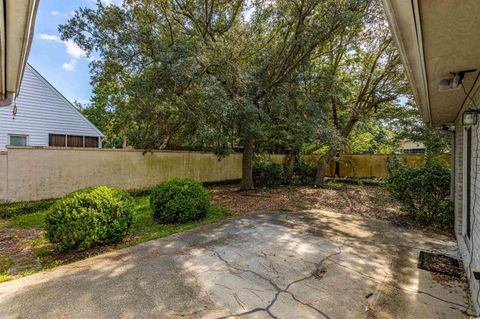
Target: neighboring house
{"type": "Point", "coordinates": [45, 118]}
{"type": "Point", "coordinates": [410, 147]}
{"type": "Point", "coordinates": [439, 42]}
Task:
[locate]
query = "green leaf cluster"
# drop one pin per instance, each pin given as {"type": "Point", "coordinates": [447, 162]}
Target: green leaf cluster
{"type": "Point", "coordinates": [179, 200]}
{"type": "Point", "coordinates": [267, 173]}
{"type": "Point", "coordinates": [425, 190]}
{"type": "Point", "coordinates": [89, 217]}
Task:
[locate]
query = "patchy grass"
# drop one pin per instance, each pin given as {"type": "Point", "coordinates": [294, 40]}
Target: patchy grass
{"type": "Point", "coordinates": [31, 220]}
{"type": "Point", "coordinates": [339, 182]}
{"type": "Point", "coordinates": [145, 228]}
{"type": "Point", "coordinates": [9, 210]}
{"type": "Point", "coordinates": [24, 248]}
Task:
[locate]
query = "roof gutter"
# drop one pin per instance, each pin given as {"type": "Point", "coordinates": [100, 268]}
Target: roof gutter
{"type": "Point", "coordinates": [421, 53]}
{"type": "Point", "coordinates": [405, 24]}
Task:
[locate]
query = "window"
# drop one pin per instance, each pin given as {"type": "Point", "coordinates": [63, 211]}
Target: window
{"type": "Point", "coordinates": [468, 191]}
{"type": "Point", "coordinates": [414, 151]}
{"type": "Point", "coordinates": [61, 140]}
{"type": "Point", "coordinates": [18, 140]}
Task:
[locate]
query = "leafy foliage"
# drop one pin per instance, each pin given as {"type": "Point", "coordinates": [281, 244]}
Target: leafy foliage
{"type": "Point", "coordinates": [217, 74]}
{"type": "Point", "coordinates": [425, 191]}
{"type": "Point", "coordinates": [89, 217]}
{"type": "Point", "coordinates": [179, 200]}
{"type": "Point", "coordinates": [267, 173]}
{"type": "Point", "coordinates": [303, 174]}
{"type": "Point", "coordinates": [407, 124]}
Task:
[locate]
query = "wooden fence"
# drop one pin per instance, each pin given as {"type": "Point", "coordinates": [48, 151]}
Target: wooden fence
{"type": "Point", "coordinates": [364, 165]}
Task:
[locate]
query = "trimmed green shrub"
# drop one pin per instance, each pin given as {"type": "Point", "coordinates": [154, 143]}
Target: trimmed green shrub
{"type": "Point", "coordinates": [267, 173]}
{"type": "Point", "coordinates": [425, 191]}
{"type": "Point", "coordinates": [303, 174]}
{"type": "Point", "coordinates": [179, 200]}
{"type": "Point", "coordinates": [89, 217]}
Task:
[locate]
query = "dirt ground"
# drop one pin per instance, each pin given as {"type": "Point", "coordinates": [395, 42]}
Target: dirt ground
{"type": "Point", "coordinates": [368, 201]}
{"type": "Point", "coordinates": [361, 200]}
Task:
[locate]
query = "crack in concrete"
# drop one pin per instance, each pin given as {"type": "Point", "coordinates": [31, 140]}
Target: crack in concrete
{"type": "Point", "coordinates": [278, 290]}
{"type": "Point", "coordinates": [318, 266]}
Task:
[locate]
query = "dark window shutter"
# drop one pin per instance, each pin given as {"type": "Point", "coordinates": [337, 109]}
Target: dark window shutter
{"type": "Point", "coordinates": [91, 141]}
{"type": "Point", "coordinates": [74, 141]}
{"type": "Point", "coordinates": [56, 140]}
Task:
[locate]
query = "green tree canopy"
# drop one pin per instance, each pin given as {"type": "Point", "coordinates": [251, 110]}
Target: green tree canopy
{"type": "Point", "coordinates": [204, 71]}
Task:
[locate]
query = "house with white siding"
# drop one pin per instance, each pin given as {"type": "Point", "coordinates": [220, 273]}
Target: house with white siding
{"type": "Point", "coordinates": [44, 117]}
{"type": "Point", "coordinates": [439, 42]}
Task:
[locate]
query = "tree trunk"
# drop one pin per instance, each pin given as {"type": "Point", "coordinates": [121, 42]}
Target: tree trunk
{"type": "Point", "coordinates": [322, 165]}
{"type": "Point", "coordinates": [289, 168]}
{"type": "Point", "coordinates": [337, 169]}
{"type": "Point", "coordinates": [247, 165]}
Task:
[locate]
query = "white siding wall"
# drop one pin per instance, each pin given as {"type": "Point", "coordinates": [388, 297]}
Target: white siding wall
{"type": "Point", "coordinates": [40, 111]}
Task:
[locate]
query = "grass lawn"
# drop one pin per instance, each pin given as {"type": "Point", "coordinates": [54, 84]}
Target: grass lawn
{"type": "Point", "coordinates": [25, 250]}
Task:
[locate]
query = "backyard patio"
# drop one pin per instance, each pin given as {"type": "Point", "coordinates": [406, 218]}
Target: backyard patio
{"type": "Point", "coordinates": [304, 252]}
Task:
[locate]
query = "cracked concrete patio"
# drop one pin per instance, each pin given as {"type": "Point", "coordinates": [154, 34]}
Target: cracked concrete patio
{"type": "Point", "coordinates": [313, 264]}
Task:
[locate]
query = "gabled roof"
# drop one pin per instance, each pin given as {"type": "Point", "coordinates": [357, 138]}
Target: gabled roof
{"type": "Point", "coordinates": [60, 95]}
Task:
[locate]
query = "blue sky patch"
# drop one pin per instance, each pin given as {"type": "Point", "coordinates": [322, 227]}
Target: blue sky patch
{"type": "Point", "coordinates": [62, 63]}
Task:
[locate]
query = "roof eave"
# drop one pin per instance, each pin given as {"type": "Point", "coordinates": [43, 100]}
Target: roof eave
{"type": "Point", "coordinates": [404, 21]}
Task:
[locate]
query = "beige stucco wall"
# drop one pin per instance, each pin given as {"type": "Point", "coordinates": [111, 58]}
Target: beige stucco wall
{"type": "Point", "coordinates": [34, 173]}
{"type": "Point", "coordinates": [39, 173]}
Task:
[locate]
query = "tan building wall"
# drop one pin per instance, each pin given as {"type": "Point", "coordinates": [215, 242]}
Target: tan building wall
{"type": "Point", "coordinates": [40, 173]}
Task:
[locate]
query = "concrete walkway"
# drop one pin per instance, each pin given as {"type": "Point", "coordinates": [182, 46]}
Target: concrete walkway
{"type": "Point", "coordinates": [312, 264]}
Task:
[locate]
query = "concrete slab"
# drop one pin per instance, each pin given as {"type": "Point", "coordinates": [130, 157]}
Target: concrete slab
{"type": "Point", "coordinates": [313, 264]}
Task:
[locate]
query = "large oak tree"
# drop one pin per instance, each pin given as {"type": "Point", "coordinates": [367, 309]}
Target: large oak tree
{"type": "Point", "coordinates": [205, 70]}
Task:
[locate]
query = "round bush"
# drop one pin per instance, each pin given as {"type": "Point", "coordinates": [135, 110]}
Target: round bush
{"type": "Point", "coordinates": [425, 190]}
{"type": "Point", "coordinates": [268, 174]}
{"type": "Point", "coordinates": [303, 174]}
{"type": "Point", "coordinates": [179, 200]}
{"type": "Point", "coordinates": [88, 217]}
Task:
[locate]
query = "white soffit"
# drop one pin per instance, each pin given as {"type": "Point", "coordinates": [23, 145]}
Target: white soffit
{"type": "Point", "coordinates": [435, 39]}
{"type": "Point", "coordinates": [17, 21]}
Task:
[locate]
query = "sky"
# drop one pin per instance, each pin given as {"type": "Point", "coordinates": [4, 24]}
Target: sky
{"type": "Point", "coordinates": [62, 63]}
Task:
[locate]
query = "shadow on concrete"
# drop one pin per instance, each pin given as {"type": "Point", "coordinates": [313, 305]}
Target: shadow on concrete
{"type": "Point", "coordinates": [312, 264]}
